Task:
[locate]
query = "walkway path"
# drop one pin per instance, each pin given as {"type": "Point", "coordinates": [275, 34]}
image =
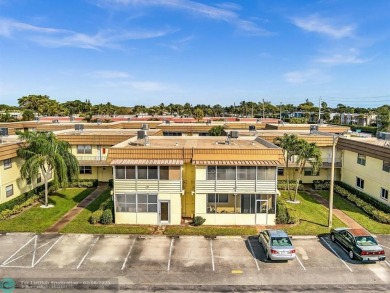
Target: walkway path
{"type": "Point", "coordinates": [69, 216]}
{"type": "Point", "coordinates": [351, 223]}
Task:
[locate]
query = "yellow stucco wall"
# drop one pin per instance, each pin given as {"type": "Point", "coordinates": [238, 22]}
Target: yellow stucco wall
{"type": "Point", "coordinates": [374, 177]}
{"type": "Point", "coordinates": [12, 176]}
{"type": "Point", "coordinates": [188, 199]}
{"type": "Point", "coordinates": [101, 173]}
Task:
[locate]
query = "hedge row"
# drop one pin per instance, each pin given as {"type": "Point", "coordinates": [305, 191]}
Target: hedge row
{"type": "Point", "coordinates": [321, 184]}
{"type": "Point", "coordinates": [285, 215]}
{"type": "Point", "coordinates": [84, 183]}
{"type": "Point", "coordinates": [104, 215]}
{"type": "Point", "coordinates": [9, 205]}
{"type": "Point", "coordinates": [378, 215]}
{"type": "Point", "coordinates": [16, 209]}
{"type": "Point", "coordinates": [282, 185]}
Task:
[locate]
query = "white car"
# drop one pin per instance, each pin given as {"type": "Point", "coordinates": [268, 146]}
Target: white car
{"type": "Point", "coordinates": [277, 245]}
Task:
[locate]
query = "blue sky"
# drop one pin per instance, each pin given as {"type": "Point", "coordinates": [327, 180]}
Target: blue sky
{"type": "Point", "coordinates": [148, 52]}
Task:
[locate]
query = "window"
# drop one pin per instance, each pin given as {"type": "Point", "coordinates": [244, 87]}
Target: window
{"type": "Point", "coordinates": [125, 172]}
{"type": "Point", "coordinates": [384, 194]}
{"type": "Point", "coordinates": [136, 203]}
{"type": "Point", "coordinates": [7, 164]}
{"type": "Point", "coordinates": [361, 159]}
{"type": "Point", "coordinates": [211, 172]}
{"type": "Point", "coordinates": [221, 198]}
{"type": "Point", "coordinates": [39, 178]}
{"type": "Point", "coordinates": [386, 166]}
{"type": "Point", "coordinates": [164, 173]}
{"type": "Point", "coordinates": [84, 149]}
{"type": "Point", "coordinates": [9, 190]}
{"type": "Point", "coordinates": [280, 171]}
{"type": "Point", "coordinates": [309, 172]}
{"type": "Point", "coordinates": [246, 173]}
{"type": "Point", "coordinates": [266, 173]}
{"type": "Point", "coordinates": [226, 173]}
{"type": "Point", "coordinates": [360, 182]}
{"type": "Point", "coordinates": [85, 170]}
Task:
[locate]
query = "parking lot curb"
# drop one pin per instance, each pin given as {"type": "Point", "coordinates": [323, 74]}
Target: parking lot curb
{"type": "Point", "coordinates": [302, 237]}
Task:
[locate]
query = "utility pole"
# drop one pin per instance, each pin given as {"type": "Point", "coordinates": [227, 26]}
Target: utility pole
{"type": "Point", "coordinates": [335, 137]}
{"type": "Point", "coordinates": [319, 111]}
{"type": "Point", "coordinates": [263, 110]}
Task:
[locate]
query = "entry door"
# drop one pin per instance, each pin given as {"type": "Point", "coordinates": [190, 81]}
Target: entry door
{"type": "Point", "coordinates": [164, 212]}
{"type": "Point", "coordinates": [261, 210]}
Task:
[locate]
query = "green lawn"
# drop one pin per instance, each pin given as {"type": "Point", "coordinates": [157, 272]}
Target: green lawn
{"type": "Point", "coordinates": [357, 214]}
{"type": "Point", "coordinates": [211, 230]}
{"type": "Point", "coordinates": [81, 224]}
{"type": "Point", "coordinates": [314, 216]}
{"type": "Point", "coordinates": [37, 219]}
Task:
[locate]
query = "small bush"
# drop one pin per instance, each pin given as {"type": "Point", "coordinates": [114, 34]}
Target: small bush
{"type": "Point", "coordinates": [85, 183]}
{"type": "Point", "coordinates": [96, 216]}
{"type": "Point", "coordinates": [284, 215]}
{"type": "Point", "coordinates": [5, 214]}
{"type": "Point", "coordinates": [106, 218]}
{"type": "Point", "coordinates": [282, 185]}
{"type": "Point", "coordinates": [198, 221]}
{"type": "Point", "coordinates": [321, 184]}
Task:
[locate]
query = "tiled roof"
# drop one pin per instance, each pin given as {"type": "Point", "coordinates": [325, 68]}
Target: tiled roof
{"type": "Point", "coordinates": [145, 162]}
{"type": "Point", "coordinates": [238, 162]}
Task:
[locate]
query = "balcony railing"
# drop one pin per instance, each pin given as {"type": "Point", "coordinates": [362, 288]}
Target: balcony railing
{"type": "Point", "coordinates": [229, 186]}
{"type": "Point", "coordinates": [163, 186]}
{"type": "Point", "coordinates": [91, 158]}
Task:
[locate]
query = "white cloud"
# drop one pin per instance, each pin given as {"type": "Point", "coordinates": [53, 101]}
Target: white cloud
{"type": "Point", "coordinates": [349, 57]}
{"type": "Point", "coordinates": [226, 12]}
{"type": "Point", "coordinates": [51, 37]}
{"type": "Point", "coordinates": [311, 75]}
{"type": "Point", "coordinates": [324, 26]}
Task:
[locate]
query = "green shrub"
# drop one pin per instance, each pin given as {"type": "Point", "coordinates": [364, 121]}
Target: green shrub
{"type": "Point", "coordinates": [111, 183]}
{"type": "Point", "coordinates": [284, 215]}
{"type": "Point", "coordinates": [321, 184]}
{"type": "Point", "coordinates": [9, 205]}
{"type": "Point", "coordinates": [282, 185]}
{"type": "Point", "coordinates": [96, 216]}
{"type": "Point", "coordinates": [5, 214]}
{"type": "Point", "coordinates": [198, 221]}
{"type": "Point", "coordinates": [85, 183]}
{"type": "Point", "coordinates": [106, 218]}
{"type": "Point", "coordinates": [367, 198]}
{"type": "Point", "coordinates": [372, 211]}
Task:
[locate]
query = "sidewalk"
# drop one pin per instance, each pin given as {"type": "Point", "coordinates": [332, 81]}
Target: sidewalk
{"type": "Point", "coordinates": [69, 216]}
{"type": "Point", "coordinates": [351, 223]}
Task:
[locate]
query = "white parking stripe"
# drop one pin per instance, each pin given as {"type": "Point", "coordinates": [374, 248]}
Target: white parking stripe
{"type": "Point", "coordinates": [330, 247]}
{"type": "Point", "coordinates": [35, 250]}
{"type": "Point", "coordinates": [7, 260]}
{"type": "Point", "coordinates": [387, 263]}
{"type": "Point", "coordinates": [128, 254]}
{"type": "Point", "coordinates": [170, 254]}
{"type": "Point", "coordinates": [300, 262]}
{"type": "Point", "coordinates": [212, 254]}
{"type": "Point", "coordinates": [34, 264]}
{"type": "Point", "coordinates": [90, 248]}
{"type": "Point", "coordinates": [253, 254]}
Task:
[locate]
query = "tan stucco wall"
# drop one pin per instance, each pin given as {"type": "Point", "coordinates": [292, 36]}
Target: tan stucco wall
{"type": "Point", "coordinates": [103, 174]}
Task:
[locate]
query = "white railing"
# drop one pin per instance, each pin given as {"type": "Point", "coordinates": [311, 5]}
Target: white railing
{"type": "Point", "coordinates": [228, 186]}
{"type": "Point", "coordinates": [165, 186]}
{"type": "Point", "coordinates": [91, 158]}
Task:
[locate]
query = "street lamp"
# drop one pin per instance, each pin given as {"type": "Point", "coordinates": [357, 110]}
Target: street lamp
{"type": "Point", "coordinates": [335, 138]}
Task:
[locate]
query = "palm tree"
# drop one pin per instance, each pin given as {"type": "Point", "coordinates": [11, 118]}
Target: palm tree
{"type": "Point", "coordinates": [217, 131]}
{"type": "Point", "coordinates": [306, 152]}
{"type": "Point", "coordinates": [288, 143]}
{"type": "Point", "coordinates": [47, 155]}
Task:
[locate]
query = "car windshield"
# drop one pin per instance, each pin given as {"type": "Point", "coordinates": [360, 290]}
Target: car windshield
{"type": "Point", "coordinates": [365, 241]}
{"type": "Point", "coordinates": [281, 241]}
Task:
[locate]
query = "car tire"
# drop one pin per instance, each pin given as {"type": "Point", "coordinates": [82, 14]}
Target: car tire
{"type": "Point", "coordinates": [332, 237]}
{"type": "Point", "coordinates": [351, 254]}
{"type": "Point", "coordinates": [268, 257]}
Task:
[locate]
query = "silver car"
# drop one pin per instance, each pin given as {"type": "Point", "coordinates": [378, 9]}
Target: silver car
{"type": "Point", "coordinates": [277, 245]}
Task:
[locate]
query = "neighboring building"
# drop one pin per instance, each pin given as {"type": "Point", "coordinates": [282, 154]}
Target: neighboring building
{"type": "Point", "coordinates": [11, 185]}
{"type": "Point", "coordinates": [358, 119]}
{"type": "Point", "coordinates": [366, 166]}
{"type": "Point", "coordinates": [162, 179]}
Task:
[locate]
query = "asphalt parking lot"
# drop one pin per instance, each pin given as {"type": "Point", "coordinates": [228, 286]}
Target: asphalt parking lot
{"type": "Point", "coordinates": [155, 260]}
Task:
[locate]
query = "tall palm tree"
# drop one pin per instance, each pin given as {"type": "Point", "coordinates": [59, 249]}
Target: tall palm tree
{"type": "Point", "coordinates": [288, 143]}
{"type": "Point", "coordinates": [306, 152]}
{"type": "Point", "coordinates": [46, 155]}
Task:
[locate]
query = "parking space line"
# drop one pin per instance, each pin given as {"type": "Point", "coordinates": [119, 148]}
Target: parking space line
{"type": "Point", "coordinates": [387, 263]}
{"type": "Point", "coordinates": [253, 254]}
{"type": "Point", "coordinates": [89, 249]}
{"type": "Point", "coordinates": [330, 247]}
{"type": "Point", "coordinates": [128, 254]}
{"type": "Point", "coordinates": [7, 260]}
{"type": "Point", "coordinates": [35, 251]}
{"type": "Point", "coordinates": [212, 254]}
{"type": "Point", "coordinates": [34, 264]}
{"type": "Point", "coordinates": [170, 254]}
{"type": "Point", "coordinates": [300, 263]}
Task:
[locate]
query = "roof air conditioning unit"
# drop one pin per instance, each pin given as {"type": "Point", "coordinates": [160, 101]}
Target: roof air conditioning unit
{"type": "Point", "coordinates": [252, 127]}
{"type": "Point", "coordinates": [79, 127]}
{"type": "Point", "coordinates": [234, 134]}
{"type": "Point", "coordinates": [145, 127]}
{"type": "Point", "coordinates": [313, 129]}
{"type": "Point", "coordinates": [4, 131]}
{"type": "Point", "coordinates": [141, 134]}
